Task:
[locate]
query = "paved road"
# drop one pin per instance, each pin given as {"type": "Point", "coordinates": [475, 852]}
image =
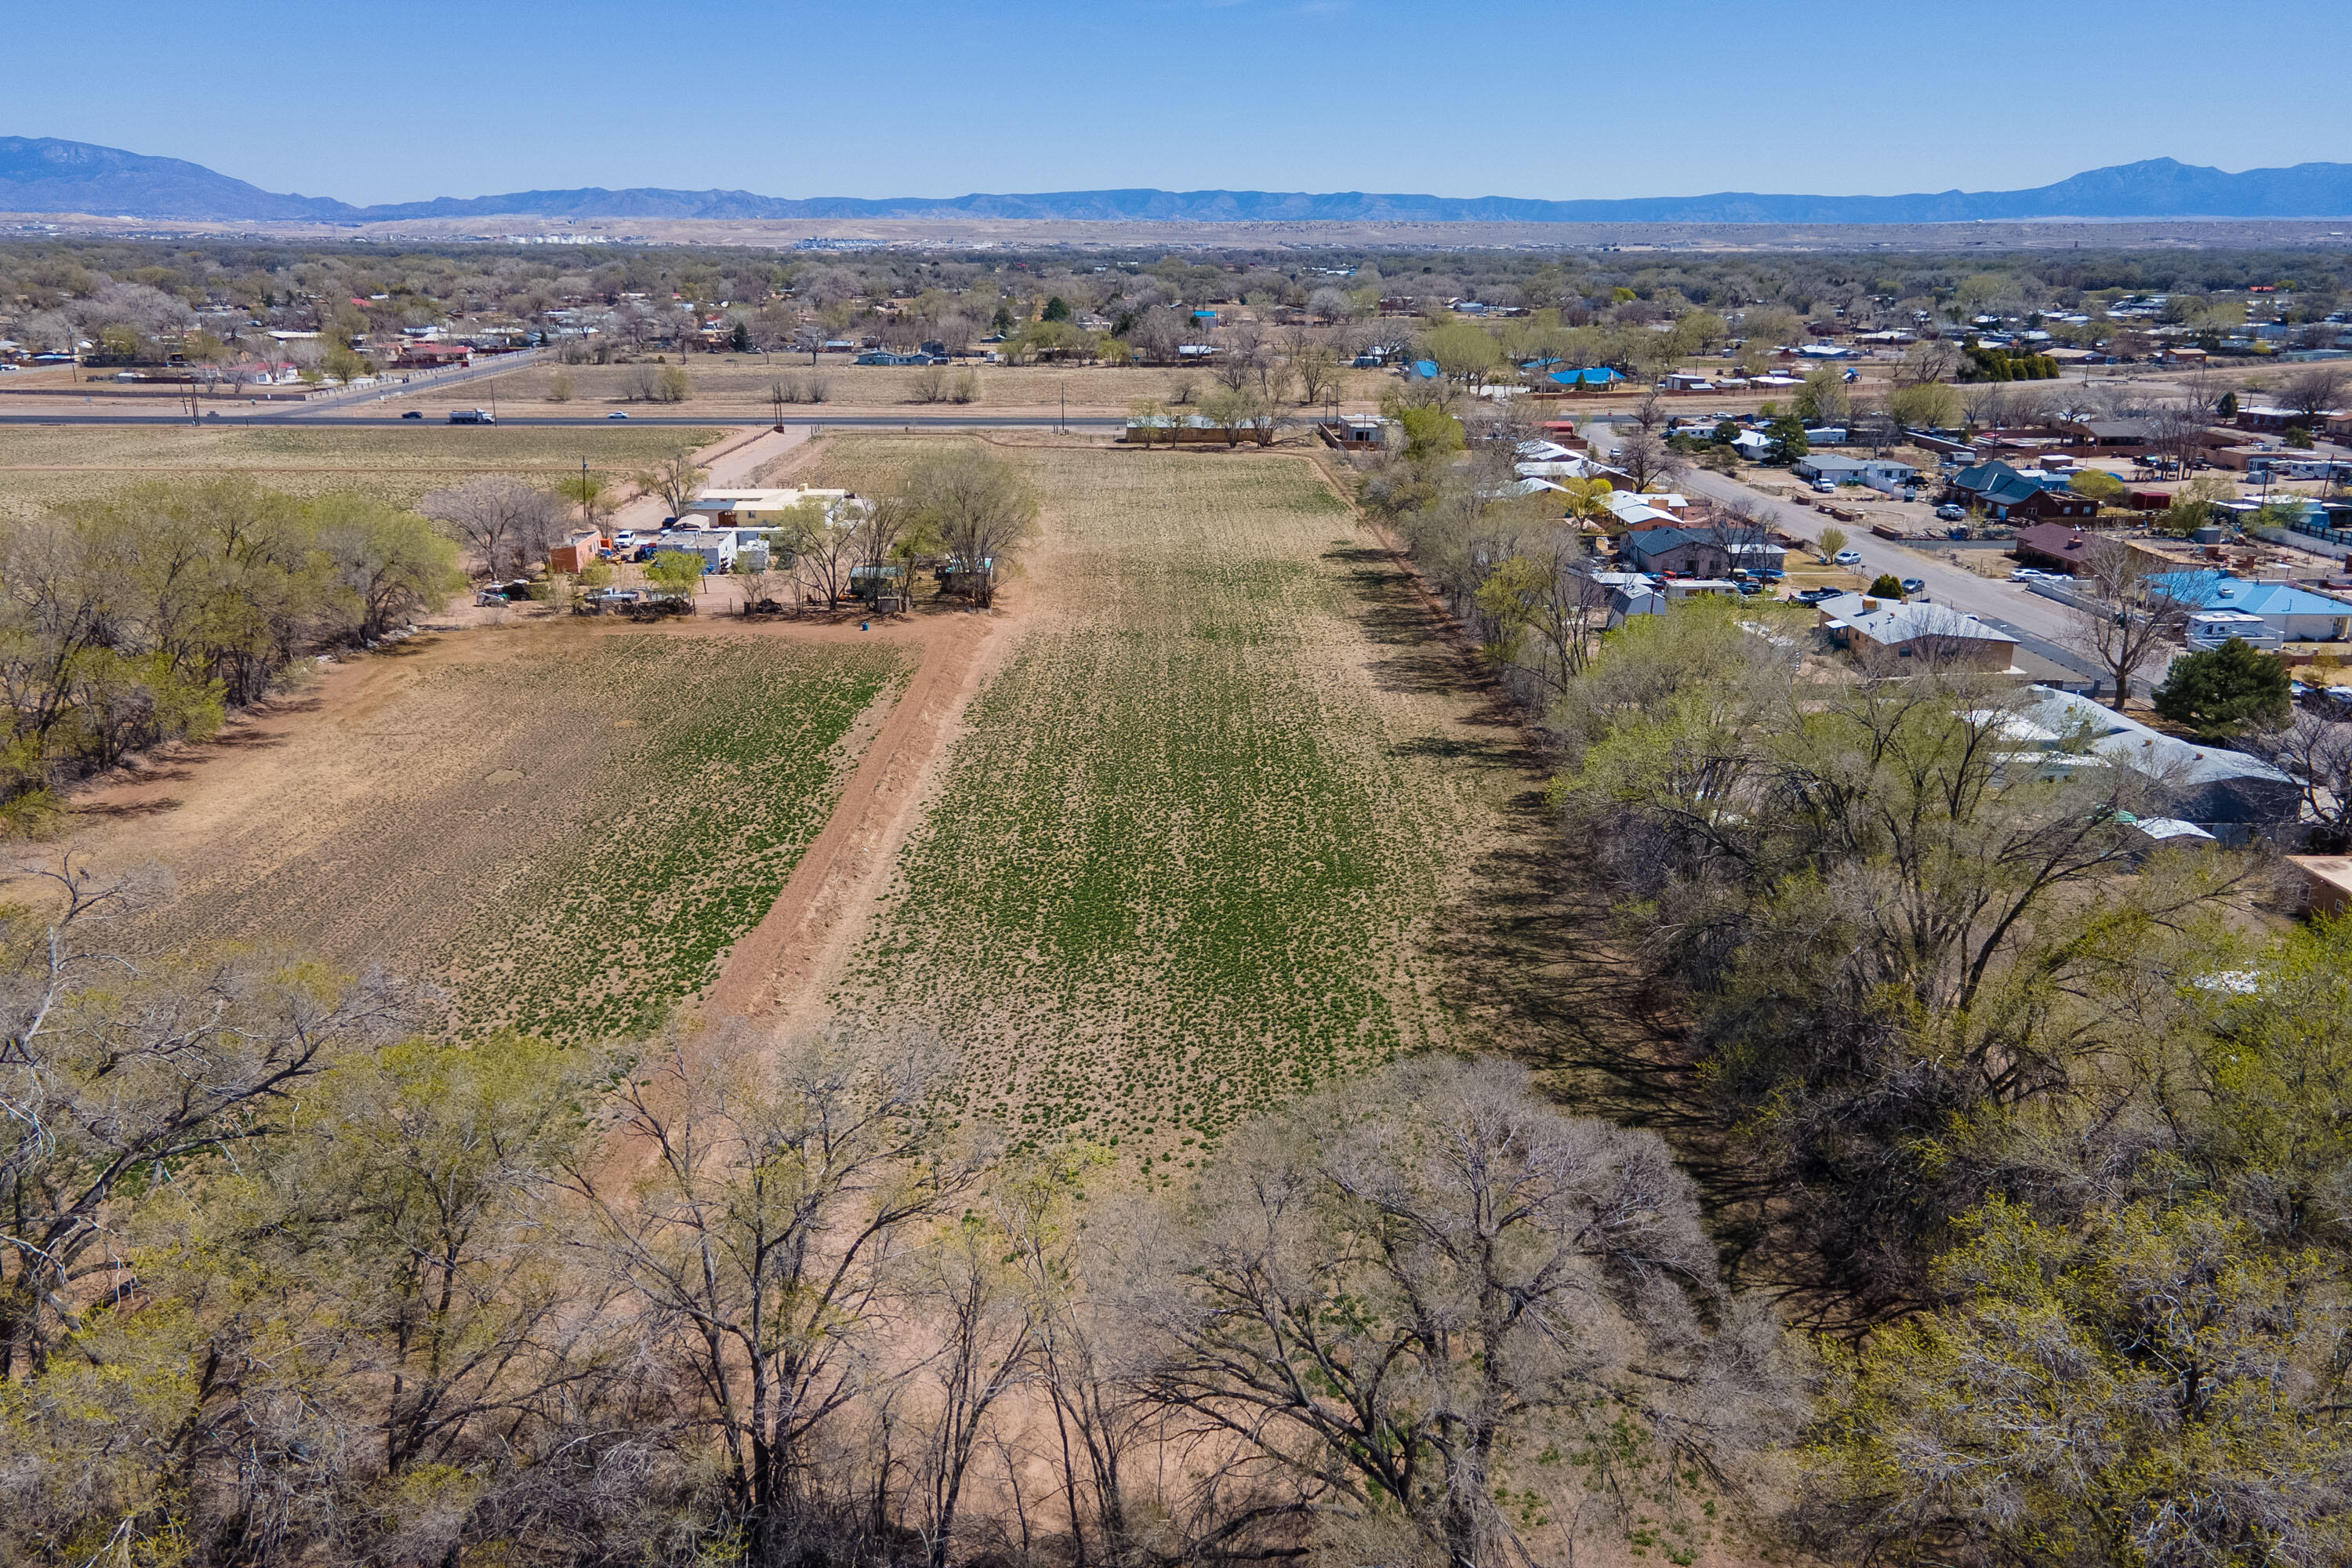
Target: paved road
{"type": "Point", "coordinates": [2040, 625]}
{"type": "Point", "coordinates": [856, 421]}
{"type": "Point", "coordinates": [498, 365]}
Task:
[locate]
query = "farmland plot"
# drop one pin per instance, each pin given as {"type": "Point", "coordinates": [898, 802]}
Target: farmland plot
{"type": "Point", "coordinates": [1186, 857]}
{"type": "Point", "coordinates": [43, 465]}
{"type": "Point", "coordinates": [565, 829]}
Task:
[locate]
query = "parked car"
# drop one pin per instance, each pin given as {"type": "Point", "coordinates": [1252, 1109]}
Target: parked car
{"type": "Point", "coordinates": [414, 414]}
{"type": "Point", "coordinates": [1815, 596]}
{"type": "Point", "coordinates": [1949, 513]}
{"type": "Point", "coordinates": [1915, 585]}
{"type": "Point", "coordinates": [1823, 487]}
{"type": "Point", "coordinates": [1848, 558]}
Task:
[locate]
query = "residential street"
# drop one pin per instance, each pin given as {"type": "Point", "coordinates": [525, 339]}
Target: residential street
{"type": "Point", "coordinates": [2042, 625]}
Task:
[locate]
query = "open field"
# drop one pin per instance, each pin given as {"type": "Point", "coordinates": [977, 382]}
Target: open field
{"type": "Point", "coordinates": [1194, 843]}
{"type": "Point", "coordinates": [566, 827]}
{"type": "Point", "coordinates": [736, 386]}
{"type": "Point", "coordinates": [41, 465]}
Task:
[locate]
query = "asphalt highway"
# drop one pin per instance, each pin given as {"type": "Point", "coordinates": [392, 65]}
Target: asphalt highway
{"type": "Point", "coordinates": [851, 421]}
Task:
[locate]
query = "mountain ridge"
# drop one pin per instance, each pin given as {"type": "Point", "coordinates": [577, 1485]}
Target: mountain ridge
{"type": "Point", "coordinates": [49, 175]}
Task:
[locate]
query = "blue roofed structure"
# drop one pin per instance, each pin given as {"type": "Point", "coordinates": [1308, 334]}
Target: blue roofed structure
{"type": "Point", "coordinates": [2296, 615]}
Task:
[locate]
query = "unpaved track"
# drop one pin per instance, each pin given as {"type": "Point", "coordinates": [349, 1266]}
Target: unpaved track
{"type": "Point", "coordinates": [779, 973]}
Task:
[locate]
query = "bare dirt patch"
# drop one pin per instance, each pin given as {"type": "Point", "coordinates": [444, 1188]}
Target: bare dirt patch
{"type": "Point", "coordinates": [567, 826]}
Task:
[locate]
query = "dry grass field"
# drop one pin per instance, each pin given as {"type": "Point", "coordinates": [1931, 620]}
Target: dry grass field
{"type": "Point", "coordinates": [735, 386]}
{"type": "Point", "coordinates": [565, 827]}
{"type": "Point", "coordinates": [41, 465]}
{"type": "Point", "coordinates": [1194, 847]}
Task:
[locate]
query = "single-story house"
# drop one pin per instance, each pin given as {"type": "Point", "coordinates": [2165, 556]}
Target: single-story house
{"type": "Point", "coordinates": [755, 507]}
{"type": "Point", "coordinates": [577, 552]}
{"type": "Point", "coordinates": [2296, 615]}
{"type": "Point", "coordinates": [2052, 546]}
{"type": "Point", "coordinates": [2111, 435]}
{"type": "Point", "coordinates": [1879, 472]}
{"type": "Point", "coordinates": [2327, 882]}
{"type": "Point", "coordinates": [1680, 550]}
{"type": "Point", "coordinates": [1891, 629]}
{"type": "Point", "coordinates": [2211, 786]}
{"type": "Point", "coordinates": [2275, 420]}
{"type": "Point", "coordinates": [2009, 496]}
{"type": "Point", "coordinates": [1597, 375]}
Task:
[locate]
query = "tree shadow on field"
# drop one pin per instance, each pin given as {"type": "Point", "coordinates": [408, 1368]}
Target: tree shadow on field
{"type": "Point", "coordinates": [128, 811]}
{"type": "Point", "coordinates": [1531, 963]}
{"type": "Point", "coordinates": [1526, 944]}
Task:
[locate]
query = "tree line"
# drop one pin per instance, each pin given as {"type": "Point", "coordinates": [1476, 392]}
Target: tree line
{"type": "Point", "coordinates": [144, 617]}
{"type": "Point", "coordinates": [282, 1282]}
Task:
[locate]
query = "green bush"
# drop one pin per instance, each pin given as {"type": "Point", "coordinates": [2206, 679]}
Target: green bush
{"type": "Point", "coordinates": [2227, 691]}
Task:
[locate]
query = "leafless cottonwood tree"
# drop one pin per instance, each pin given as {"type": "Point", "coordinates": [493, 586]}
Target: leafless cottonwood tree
{"type": "Point", "coordinates": [765, 1239]}
{"type": "Point", "coordinates": [2315, 391]}
{"type": "Point", "coordinates": [504, 522]}
{"type": "Point", "coordinates": [1648, 462]}
{"type": "Point", "coordinates": [2124, 622]}
{"type": "Point", "coordinates": [979, 507]}
{"type": "Point", "coordinates": [115, 1069]}
{"type": "Point", "coordinates": [1408, 1288]}
{"type": "Point", "coordinates": [2315, 750]}
{"type": "Point", "coordinates": [677, 478]}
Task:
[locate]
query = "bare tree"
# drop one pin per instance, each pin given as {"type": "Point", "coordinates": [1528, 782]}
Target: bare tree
{"type": "Point", "coordinates": [763, 1235]}
{"type": "Point", "coordinates": [2124, 621]}
{"type": "Point", "coordinates": [504, 522]}
{"type": "Point", "coordinates": [677, 478]}
{"type": "Point", "coordinates": [2315, 750]}
{"type": "Point", "coordinates": [2176, 433]}
{"type": "Point", "coordinates": [1648, 461]}
{"type": "Point", "coordinates": [980, 508]}
{"type": "Point", "coordinates": [2315, 391]}
{"type": "Point", "coordinates": [1240, 357]}
{"type": "Point", "coordinates": [1406, 1289]}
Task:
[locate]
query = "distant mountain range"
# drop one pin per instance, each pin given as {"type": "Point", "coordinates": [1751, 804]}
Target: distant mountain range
{"type": "Point", "coordinates": [42, 175]}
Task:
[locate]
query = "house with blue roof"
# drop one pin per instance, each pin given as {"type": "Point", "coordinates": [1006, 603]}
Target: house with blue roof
{"type": "Point", "coordinates": [2292, 613]}
{"type": "Point", "coordinates": [1596, 375]}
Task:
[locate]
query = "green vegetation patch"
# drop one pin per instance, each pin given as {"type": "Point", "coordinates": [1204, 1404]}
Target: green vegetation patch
{"type": "Point", "coordinates": [1180, 864]}
{"type": "Point", "coordinates": [730, 756]}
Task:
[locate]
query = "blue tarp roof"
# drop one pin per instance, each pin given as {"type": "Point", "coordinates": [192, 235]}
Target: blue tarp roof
{"type": "Point", "coordinates": [1600, 375]}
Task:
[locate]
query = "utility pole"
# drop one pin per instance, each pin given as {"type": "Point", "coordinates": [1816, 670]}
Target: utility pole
{"type": "Point", "coordinates": [1065, 409]}
{"type": "Point", "coordinates": [583, 493]}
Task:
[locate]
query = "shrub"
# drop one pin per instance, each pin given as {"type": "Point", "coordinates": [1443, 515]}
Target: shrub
{"type": "Point", "coordinates": [2223, 693]}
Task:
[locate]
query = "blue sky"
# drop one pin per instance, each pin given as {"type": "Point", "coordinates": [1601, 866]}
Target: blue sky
{"type": "Point", "coordinates": [402, 100]}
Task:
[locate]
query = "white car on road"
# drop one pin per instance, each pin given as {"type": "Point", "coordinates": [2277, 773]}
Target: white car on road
{"type": "Point", "coordinates": [1848, 558]}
